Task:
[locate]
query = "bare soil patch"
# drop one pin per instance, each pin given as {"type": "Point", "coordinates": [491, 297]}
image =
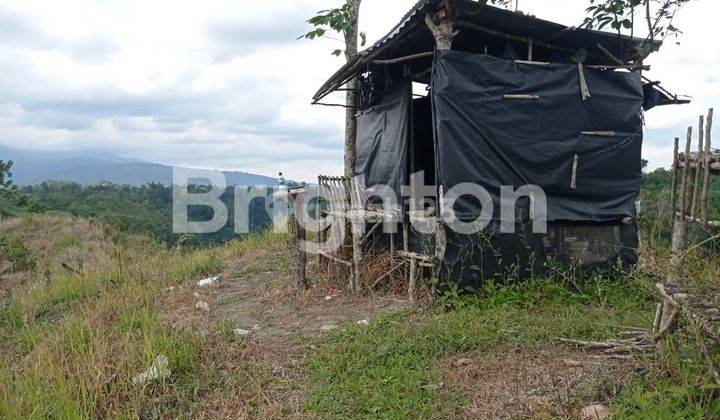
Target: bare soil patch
{"type": "Point", "coordinates": [534, 383]}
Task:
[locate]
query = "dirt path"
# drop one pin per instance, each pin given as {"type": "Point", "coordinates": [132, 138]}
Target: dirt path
{"type": "Point", "coordinates": [283, 323]}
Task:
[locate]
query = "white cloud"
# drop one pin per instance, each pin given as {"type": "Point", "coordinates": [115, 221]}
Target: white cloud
{"type": "Point", "coordinates": [227, 85]}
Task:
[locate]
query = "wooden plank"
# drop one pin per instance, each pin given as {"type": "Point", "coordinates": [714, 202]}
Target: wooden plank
{"type": "Point", "coordinates": [599, 133]}
{"type": "Point", "coordinates": [573, 180]}
{"type": "Point", "coordinates": [533, 63]}
{"type": "Point", "coordinates": [520, 96]}
{"type": "Point", "coordinates": [584, 90]}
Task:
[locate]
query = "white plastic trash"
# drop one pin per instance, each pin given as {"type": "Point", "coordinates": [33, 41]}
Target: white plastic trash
{"type": "Point", "coordinates": [210, 280]}
{"type": "Point", "coordinates": [158, 370]}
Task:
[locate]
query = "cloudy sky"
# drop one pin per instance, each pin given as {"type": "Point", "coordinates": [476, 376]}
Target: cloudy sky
{"type": "Point", "coordinates": [225, 84]}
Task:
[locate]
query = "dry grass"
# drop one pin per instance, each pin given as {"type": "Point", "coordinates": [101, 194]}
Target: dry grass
{"type": "Point", "coordinates": [71, 347]}
{"type": "Point", "coordinates": [533, 383]}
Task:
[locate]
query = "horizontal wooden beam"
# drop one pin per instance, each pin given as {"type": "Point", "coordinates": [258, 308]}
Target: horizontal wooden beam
{"type": "Point", "coordinates": [406, 58]}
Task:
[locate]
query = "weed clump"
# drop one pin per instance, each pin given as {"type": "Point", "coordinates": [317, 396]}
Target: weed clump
{"type": "Point", "coordinates": [19, 255]}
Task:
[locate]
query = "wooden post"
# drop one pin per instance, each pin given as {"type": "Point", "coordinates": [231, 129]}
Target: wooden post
{"type": "Point", "coordinates": [698, 167]}
{"type": "Point", "coordinates": [675, 168]}
{"type": "Point", "coordinates": [686, 176]}
{"type": "Point", "coordinates": [706, 180]}
{"type": "Point", "coordinates": [681, 222]}
{"type": "Point", "coordinates": [406, 243]}
{"type": "Point", "coordinates": [357, 235]}
{"type": "Point", "coordinates": [357, 222]}
{"type": "Point", "coordinates": [666, 313]}
{"type": "Point", "coordinates": [413, 279]}
{"type": "Point", "coordinates": [318, 218]}
{"type": "Point", "coordinates": [298, 236]}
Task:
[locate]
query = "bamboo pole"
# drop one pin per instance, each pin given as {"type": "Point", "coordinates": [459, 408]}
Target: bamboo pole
{"type": "Point", "coordinates": [698, 168]}
{"type": "Point", "coordinates": [686, 173]}
{"type": "Point", "coordinates": [680, 225]}
{"type": "Point", "coordinates": [405, 58]}
{"type": "Point", "coordinates": [673, 191]}
{"type": "Point", "coordinates": [706, 180]}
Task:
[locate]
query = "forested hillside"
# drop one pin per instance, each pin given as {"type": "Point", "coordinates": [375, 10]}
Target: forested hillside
{"type": "Point", "coordinates": [148, 209]}
{"type": "Point", "coordinates": [144, 210]}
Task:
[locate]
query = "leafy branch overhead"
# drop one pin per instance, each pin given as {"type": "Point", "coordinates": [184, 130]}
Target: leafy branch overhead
{"type": "Point", "coordinates": [342, 20]}
{"type": "Point", "coordinates": [656, 15]}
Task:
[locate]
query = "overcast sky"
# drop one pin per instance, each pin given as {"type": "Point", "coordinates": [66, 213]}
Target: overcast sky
{"type": "Point", "coordinates": [226, 85]}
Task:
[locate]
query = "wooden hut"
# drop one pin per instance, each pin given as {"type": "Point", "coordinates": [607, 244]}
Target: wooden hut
{"type": "Point", "coordinates": [469, 93]}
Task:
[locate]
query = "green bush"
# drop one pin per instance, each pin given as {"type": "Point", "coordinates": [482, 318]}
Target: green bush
{"type": "Point", "coordinates": [15, 251]}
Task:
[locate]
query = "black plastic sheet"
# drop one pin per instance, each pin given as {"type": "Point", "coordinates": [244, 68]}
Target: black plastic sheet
{"type": "Point", "coordinates": [382, 138]}
{"type": "Point", "coordinates": [485, 138]}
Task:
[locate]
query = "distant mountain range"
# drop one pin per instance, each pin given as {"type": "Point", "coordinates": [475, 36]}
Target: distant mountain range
{"type": "Point", "coordinates": [33, 167]}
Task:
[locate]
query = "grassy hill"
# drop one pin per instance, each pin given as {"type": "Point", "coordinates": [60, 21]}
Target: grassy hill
{"type": "Point", "coordinates": [86, 308]}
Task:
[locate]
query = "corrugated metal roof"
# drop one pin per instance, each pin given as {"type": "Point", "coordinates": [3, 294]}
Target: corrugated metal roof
{"type": "Point", "coordinates": [514, 23]}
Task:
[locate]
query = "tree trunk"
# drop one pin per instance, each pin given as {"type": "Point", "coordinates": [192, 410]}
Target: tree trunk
{"type": "Point", "coordinates": [351, 48]}
{"type": "Point", "coordinates": [442, 31]}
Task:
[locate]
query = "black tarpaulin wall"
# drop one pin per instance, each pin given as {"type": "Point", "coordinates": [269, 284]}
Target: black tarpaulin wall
{"type": "Point", "coordinates": [382, 138]}
{"type": "Point", "coordinates": [483, 138]}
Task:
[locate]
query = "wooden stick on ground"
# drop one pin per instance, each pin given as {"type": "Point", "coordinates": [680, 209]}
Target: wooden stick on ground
{"type": "Point", "coordinates": [388, 274]}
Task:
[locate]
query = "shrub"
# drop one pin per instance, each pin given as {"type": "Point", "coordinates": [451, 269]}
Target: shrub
{"type": "Point", "coordinates": [15, 251]}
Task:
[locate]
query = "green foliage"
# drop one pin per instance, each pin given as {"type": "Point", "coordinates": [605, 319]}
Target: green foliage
{"type": "Point", "coordinates": [621, 15]}
{"type": "Point", "coordinates": [687, 389]}
{"type": "Point", "coordinates": [143, 210]}
{"type": "Point", "coordinates": [15, 251]}
{"type": "Point", "coordinates": [13, 202]}
{"type": "Point", "coordinates": [6, 174]}
{"type": "Point", "coordinates": [387, 369]}
{"type": "Point", "coordinates": [342, 20]}
{"type": "Point", "coordinates": [656, 218]}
